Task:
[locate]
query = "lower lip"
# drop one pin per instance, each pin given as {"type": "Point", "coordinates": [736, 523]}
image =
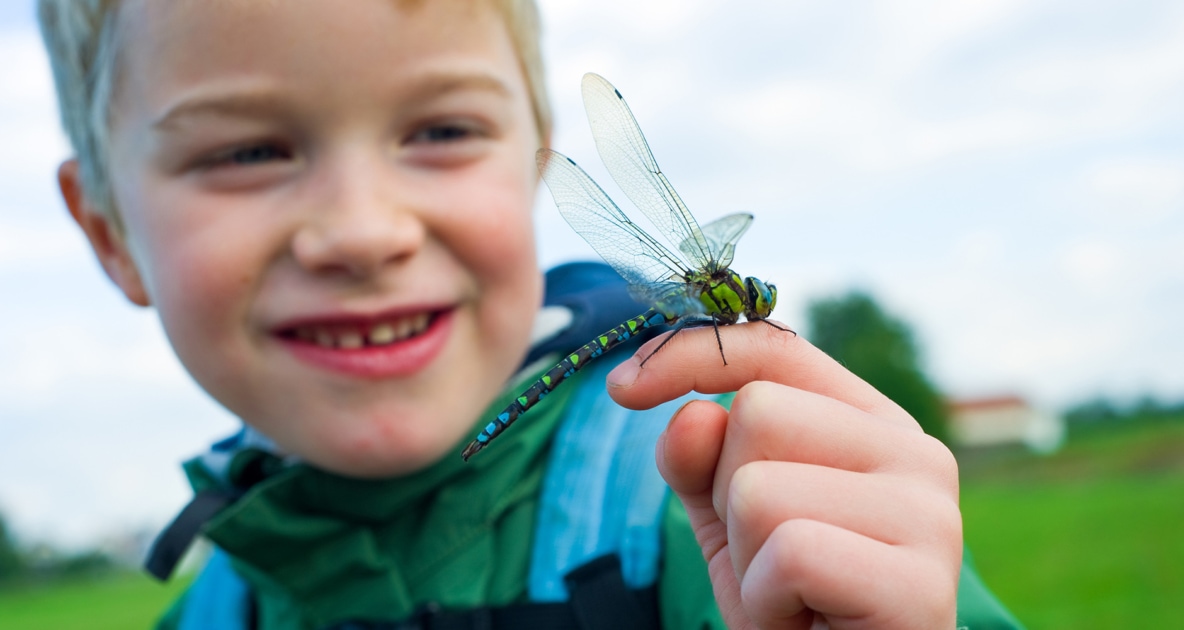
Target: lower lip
{"type": "Point", "coordinates": [401, 358]}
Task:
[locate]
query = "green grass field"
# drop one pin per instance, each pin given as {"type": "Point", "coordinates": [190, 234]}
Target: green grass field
{"type": "Point", "coordinates": [1089, 537]}
{"type": "Point", "coordinates": [120, 601]}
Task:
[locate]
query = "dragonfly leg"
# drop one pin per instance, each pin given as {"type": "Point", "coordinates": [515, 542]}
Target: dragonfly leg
{"type": "Point", "coordinates": [677, 329]}
{"type": "Point", "coordinates": [788, 330]}
{"type": "Point", "coordinates": [689, 323]}
{"type": "Point", "coordinates": [718, 341]}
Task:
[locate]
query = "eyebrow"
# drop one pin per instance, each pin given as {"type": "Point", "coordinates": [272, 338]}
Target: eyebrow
{"type": "Point", "coordinates": [229, 103]}
{"type": "Point", "coordinates": [256, 102]}
{"type": "Point", "coordinates": [438, 84]}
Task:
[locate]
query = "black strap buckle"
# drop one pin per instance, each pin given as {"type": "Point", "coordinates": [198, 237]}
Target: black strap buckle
{"type": "Point", "coordinates": [431, 616]}
{"type": "Point", "coordinates": [601, 600]}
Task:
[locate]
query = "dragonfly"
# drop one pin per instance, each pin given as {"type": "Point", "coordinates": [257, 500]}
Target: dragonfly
{"type": "Point", "coordinates": [688, 286]}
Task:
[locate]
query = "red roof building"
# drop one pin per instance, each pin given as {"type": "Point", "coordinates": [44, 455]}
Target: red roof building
{"type": "Point", "coordinates": [1002, 420]}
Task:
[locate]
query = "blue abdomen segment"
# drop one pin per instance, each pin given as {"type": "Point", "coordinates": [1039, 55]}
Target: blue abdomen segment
{"type": "Point", "coordinates": [570, 364]}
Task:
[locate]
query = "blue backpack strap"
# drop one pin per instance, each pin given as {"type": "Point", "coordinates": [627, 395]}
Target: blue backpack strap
{"type": "Point", "coordinates": [218, 598]}
{"type": "Point", "coordinates": [596, 298]}
{"type": "Point", "coordinates": [602, 493]}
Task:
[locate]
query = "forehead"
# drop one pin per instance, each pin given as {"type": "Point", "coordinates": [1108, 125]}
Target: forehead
{"type": "Point", "coordinates": [178, 42]}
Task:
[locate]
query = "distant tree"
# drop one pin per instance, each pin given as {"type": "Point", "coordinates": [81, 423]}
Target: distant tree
{"type": "Point", "coordinates": [1149, 407]}
{"type": "Point", "coordinates": [1101, 410]}
{"type": "Point", "coordinates": [1094, 411]}
{"type": "Point", "coordinates": [11, 562]}
{"type": "Point", "coordinates": [880, 349]}
{"type": "Point", "coordinates": [87, 563]}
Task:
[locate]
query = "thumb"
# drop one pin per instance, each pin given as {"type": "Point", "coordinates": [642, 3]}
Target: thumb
{"type": "Point", "coordinates": [688, 453]}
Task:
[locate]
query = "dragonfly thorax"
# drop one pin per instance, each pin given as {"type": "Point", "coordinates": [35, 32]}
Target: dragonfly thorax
{"type": "Point", "coordinates": [725, 296]}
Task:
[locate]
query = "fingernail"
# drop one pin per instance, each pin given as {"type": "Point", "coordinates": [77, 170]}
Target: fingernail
{"type": "Point", "coordinates": [675, 415]}
{"type": "Point", "coordinates": [624, 374]}
{"type": "Point", "coordinates": [660, 447]}
{"type": "Point", "coordinates": [660, 450]}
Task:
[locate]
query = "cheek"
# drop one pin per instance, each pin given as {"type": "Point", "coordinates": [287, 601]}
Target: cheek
{"type": "Point", "coordinates": [203, 307]}
{"type": "Point", "coordinates": [198, 275]}
{"type": "Point", "coordinates": [493, 229]}
{"type": "Point", "coordinates": [494, 239]}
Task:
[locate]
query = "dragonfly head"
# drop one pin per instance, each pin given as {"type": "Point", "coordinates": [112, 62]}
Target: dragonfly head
{"type": "Point", "coordinates": [761, 299]}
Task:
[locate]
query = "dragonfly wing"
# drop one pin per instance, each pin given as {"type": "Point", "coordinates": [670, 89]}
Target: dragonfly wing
{"type": "Point", "coordinates": [675, 299]}
{"type": "Point", "coordinates": [628, 158]}
{"type": "Point", "coordinates": [637, 256]}
{"type": "Point", "coordinates": [721, 235]}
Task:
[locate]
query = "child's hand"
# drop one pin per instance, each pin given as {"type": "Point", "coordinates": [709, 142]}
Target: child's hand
{"type": "Point", "coordinates": [816, 498]}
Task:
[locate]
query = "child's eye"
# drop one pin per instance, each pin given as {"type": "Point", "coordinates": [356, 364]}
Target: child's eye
{"type": "Point", "coordinates": [255, 155]}
{"type": "Point", "coordinates": [448, 143]}
{"type": "Point", "coordinates": [444, 132]}
{"type": "Point", "coordinates": [244, 166]}
{"type": "Point", "coordinates": [249, 155]}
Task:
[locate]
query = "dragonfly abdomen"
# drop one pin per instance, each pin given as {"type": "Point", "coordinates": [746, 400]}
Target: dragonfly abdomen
{"type": "Point", "coordinates": [570, 364]}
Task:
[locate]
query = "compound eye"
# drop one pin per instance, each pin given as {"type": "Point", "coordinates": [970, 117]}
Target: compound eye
{"type": "Point", "coordinates": [763, 297]}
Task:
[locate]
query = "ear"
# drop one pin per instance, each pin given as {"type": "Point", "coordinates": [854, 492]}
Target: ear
{"type": "Point", "coordinates": [105, 237]}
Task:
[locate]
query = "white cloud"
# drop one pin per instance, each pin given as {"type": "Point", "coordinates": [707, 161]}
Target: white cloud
{"type": "Point", "coordinates": [982, 250]}
{"type": "Point", "coordinates": [28, 111]}
{"type": "Point", "coordinates": [1136, 189]}
{"type": "Point", "coordinates": [916, 33]}
{"type": "Point", "coordinates": [59, 354]}
{"type": "Point", "coordinates": [1094, 266]}
{"type": "Point", "coordinates": [22, 245]}
{"type": "Point", "coordinates": [27, 80]}
{"type": "Point", "coordinates": [936, 81]}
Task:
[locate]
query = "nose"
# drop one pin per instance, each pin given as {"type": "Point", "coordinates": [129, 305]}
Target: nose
{"type": "Point", "coordinates": [358, 224]}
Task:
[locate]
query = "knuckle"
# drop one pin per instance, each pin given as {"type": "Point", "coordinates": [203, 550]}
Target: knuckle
{"type": "Point", "coordinates": [947, 521]}
{"type": "Point", "coordinates": [754, 405]}
{"type": "Point", "coordinates": [936, 461]}
{"type": "Point", "coordinates": [750, 394]}
{"type": "Point", "coordinates": [796, 534]}
{"type": "Point", "coordinates": [745, 493]}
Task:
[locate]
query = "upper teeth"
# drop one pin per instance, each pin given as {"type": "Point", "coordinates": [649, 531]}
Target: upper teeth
{"type": "Point", "coordinates": [379, 334]}
{"type": "Point", "coordinates": [382, 333]}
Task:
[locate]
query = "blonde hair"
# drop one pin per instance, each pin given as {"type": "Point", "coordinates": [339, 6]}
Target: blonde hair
{"type": "Point", "coordinates": [82, 39]}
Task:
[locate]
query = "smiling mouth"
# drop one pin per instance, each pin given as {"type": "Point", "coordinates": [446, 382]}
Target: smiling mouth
{"type": "Point", "coordinates": [356, 336]}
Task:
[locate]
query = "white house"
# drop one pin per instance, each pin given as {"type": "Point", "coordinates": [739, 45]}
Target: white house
{"type": "Point", "coordinates": [1004, 420]}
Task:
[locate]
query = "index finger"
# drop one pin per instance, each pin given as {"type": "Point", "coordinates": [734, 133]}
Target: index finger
{"type": "Point", "coordinates": [755, 351]}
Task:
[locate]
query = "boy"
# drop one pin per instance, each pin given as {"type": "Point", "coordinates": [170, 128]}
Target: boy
{"type": "Point", "coordinates": [329, 207]}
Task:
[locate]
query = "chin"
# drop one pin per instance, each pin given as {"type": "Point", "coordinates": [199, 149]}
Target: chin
{"type": "Point", "coordinates": [382, 453]}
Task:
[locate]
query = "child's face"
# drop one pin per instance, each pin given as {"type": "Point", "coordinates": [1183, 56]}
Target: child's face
{"type": "Point", "coordinates": [301, 178]}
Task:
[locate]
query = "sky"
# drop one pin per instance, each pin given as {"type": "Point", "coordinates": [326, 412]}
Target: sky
{"type": "Point", "coordinates": [1006, 176]}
